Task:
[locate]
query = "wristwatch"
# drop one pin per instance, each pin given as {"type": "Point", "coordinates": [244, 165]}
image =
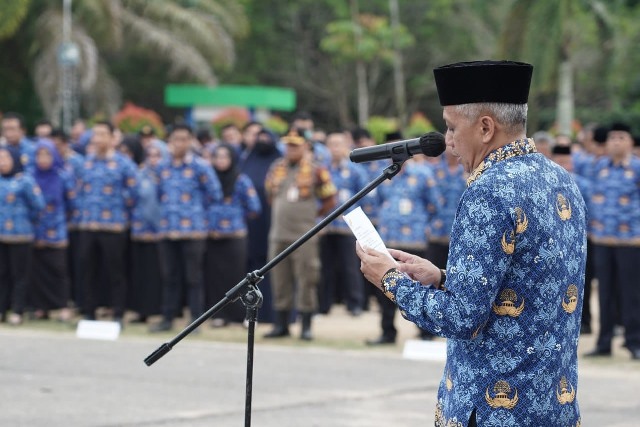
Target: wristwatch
{"type": "Point", "coordinates": [443, 278]}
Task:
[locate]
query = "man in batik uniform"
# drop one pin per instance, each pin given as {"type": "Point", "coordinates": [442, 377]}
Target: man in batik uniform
{"type": "Point", "coordinates": [615, 226]}
{"type": "Point", "coordinates": [509, 301]}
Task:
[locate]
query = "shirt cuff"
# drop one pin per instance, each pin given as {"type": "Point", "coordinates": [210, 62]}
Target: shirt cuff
{"type": "Point", "coordinates": [390, 281]}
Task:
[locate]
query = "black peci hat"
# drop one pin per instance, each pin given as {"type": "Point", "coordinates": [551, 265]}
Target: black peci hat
{"type": "Point", "coordinates": [620, 127]}
{"type": "Point", "coordinates": [561, 149]}
{"type": "Point", "coordinates": [483, 81]}
{"type": "Point", "coordinates": [600, 134]}
{"type": "Point", "coordinates": [392, 136]}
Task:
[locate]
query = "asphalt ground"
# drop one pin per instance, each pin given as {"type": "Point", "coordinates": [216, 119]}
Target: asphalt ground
{"type": "Point", "coordinates": [51, 378]}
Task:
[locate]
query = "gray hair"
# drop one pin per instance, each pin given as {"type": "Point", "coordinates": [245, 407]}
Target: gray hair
{"type": "Point", "coordinates": [512, 116]}
{"type": "Point", "coordinates": [542, 137]}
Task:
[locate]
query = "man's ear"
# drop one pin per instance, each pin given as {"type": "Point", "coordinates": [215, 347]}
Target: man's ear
{"type": "Point", "coordinates": [487, 128]}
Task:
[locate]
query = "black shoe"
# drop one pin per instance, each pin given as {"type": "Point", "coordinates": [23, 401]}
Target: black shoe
{"type": "Point", "coordinates": [277, 333]}
{"type": "Point", "coordinates": [599, 352]}
{"type": "Point", "coordinates": [137, 320]}
{"type": "Point", "coordinates": [585, 329]}
{"type": "Point", "coordinates": [119, 321]}
{"type": "Point", "coordinates": [163, 326]}
{"type": "Point", "coordinates": [635, 354]}
{"type": "Point", "coordinates": [306, 335]}
{"type": "Point", "coordinates": [425, 335]}
{"type": "Point", "coordinates": [355, 312]}
{"type": "Point", "coordinates": [382, 340]}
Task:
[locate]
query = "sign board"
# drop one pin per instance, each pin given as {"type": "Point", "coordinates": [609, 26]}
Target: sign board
{"type": "Point", "coordinates": [425, 350]}
{"type": "Point", "coordinates": [98, 330]}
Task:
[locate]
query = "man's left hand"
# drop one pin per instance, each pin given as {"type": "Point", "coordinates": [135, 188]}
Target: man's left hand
{"type": "Point", "coordinates": [373, 264]}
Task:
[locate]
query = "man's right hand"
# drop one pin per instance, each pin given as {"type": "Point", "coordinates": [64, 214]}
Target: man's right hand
{"type": "Point", "coordinates": [417, 268]}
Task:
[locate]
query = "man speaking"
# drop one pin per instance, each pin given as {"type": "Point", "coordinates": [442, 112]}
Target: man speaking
{"type": "Point", "coordinates": [510, 299]}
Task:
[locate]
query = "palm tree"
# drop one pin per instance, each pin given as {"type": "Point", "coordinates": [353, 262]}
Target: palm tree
{"type": "Point", "coordinates": [548, 34]}
{"type": "Point", "coordinates": [13, 13]}
{"type": "Point", "coordinates": [195, 37]}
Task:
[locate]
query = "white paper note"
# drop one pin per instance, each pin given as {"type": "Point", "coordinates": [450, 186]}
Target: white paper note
{"type": "Point", "coordinates": [365, 232]}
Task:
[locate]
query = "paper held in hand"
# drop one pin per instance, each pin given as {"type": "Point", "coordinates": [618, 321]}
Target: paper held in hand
{"type": "Point", "coordinates": [365, 232]}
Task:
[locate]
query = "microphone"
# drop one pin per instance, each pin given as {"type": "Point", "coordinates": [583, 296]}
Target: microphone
{"type": "Point", "coordinates": [430, 144]}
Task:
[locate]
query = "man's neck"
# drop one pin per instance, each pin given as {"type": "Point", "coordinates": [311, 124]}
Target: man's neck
{"type": "Point", "coordinates": [499, 140]}
{"type": "Point", "coordinates": [337, 162]}
{"type": "Point", "coordinates": [618, 160]}
{"type": "Point", "coordinates": [180, 159]}
{"type": "Point", "coordinates": [104, 154]}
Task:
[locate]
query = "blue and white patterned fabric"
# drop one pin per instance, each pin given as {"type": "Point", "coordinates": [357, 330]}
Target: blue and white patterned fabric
{"type": "Point", "coordinates": [21, 202]}
{"type": "Point", "coordinates": [369, 203]}
{"type": "Point", "coordinates": [348, 178]}
{"type": "Point", "coordinates": [407, 204]}
{"type": "Point", "coordinates": [512, 299]}
{"type": "Point", "coordinates": [25, 151]}
{"type": "Point", "coordinates": [146, 214]}
{"type": "Point", "coordinates": [614, 218]}
{"type": "Point", "coordinates": [73, 164]}
{"type": "Point", "coordinates": [229, 218]}
{"type": "Point", "coordinates": [451, 185]}
{"type": "Point", "coordinates": [106, 193]}
{"type": "Point", "coordinates": [186, 190]}
{"type": "Point", "coordinates": [51, 228]}
{"type": "Point", "coordinates": [321, 154]}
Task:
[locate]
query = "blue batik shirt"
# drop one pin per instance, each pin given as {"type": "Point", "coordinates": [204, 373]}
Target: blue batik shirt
{"type": "Point", "coordinates": [27, 154]}
{"type": "Point", "coordinates": [512, 300]}
{"type": "Point", "coordinates": [73, 164]}
{"type": "Point", "coordinates": [51, 228]}
{"type": "Point", "coordinates": [584, 164]}
{"type": "Point", "coordinates": [146, 214]}
{"type": "Point", "coordinates": [407, 204]}
{"type": "Point", "coordinates": [106, 192]}
{"type": "Point", "coordinates": [615, 202]}
{"type": "Point", "coordinates": [451, 185]}
{"type": "Point", "coordinates": [21, 202]}
{"type": "Point", "coordinates": [370, 203]}
{"type": "Point", "coordinates": [348, 178]}
{"type": "Point", "coordinates": [229, 218]}
{"type": "Point", "coordinates": [186, 189]}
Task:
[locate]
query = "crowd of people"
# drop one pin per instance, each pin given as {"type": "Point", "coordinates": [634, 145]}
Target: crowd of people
{"type": "Point", "coordinates": [137, 224]}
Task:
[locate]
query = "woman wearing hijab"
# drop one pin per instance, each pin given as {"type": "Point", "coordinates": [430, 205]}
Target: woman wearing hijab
{"type": "Point", "coordinates": [255, 164]}
{"type": "Point", "coordinates": [50, 283]}
{"type": "Point", "coordinates": [226, 256]}
{"type": "Point", "coordinates": [146, 278]}
{"type": "Point", "coordinates": [20, 204]}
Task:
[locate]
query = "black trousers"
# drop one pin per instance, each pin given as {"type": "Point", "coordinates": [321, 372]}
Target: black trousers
{"type": "Point", "coordinates": [182, 269]}
{"type": "Point", "coordinates": [74, 266]}
{"type": "Point", "coordinates": [102, 261]}
{"type": "Point", "coordinates": [49, 284]}
{"type": "Point", "coordinates": [472, 419]}
{"type": "Point", "coordinates": [225, 266]}
{"type": "Point", "coordinates": [146, 278]}
{"type": "Point", "coordinates": [340, 273]}
{"type": "Point", "coordinates": [438, 254]}
{"type": "Point", "coordinates": [388, 307]}
{"type": "Point", "coordinates": [15, 265]}
{"type": "Point", "coordinates": [589, 275]}
{"type": "Point", "coordinates": [618, 283]}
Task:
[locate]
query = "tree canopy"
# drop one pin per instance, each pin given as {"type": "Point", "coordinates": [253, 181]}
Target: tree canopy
{"type": "Point", "coordinates": [341, 57]}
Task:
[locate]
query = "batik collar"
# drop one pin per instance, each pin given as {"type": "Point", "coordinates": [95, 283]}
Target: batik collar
{"type": "Point", "coordinates": [518, 147]}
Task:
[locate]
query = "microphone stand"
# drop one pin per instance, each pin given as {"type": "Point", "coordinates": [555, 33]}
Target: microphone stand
{"type": "Point", "coordinates": [250, 295]}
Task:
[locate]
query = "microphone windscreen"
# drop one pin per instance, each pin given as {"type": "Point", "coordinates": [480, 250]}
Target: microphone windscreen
{"type": "Point", "coordinates": [432, 144]}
